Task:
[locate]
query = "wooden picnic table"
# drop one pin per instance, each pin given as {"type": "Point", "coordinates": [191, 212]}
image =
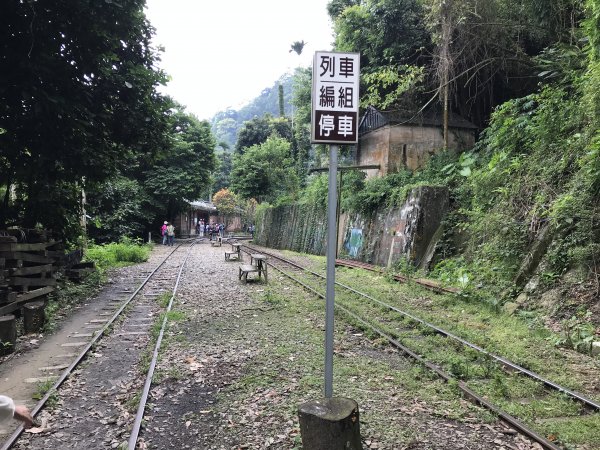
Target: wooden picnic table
{"type": "Point", "coordinates": [261, 264]}
{"type": "Point", "coordinates": [236, 250]}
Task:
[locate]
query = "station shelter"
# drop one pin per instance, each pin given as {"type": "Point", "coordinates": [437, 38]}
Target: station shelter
{"type": "Point", "coordinates": [207, 213]}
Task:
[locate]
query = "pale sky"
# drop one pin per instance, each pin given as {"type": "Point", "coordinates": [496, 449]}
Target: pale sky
{"type": "Point", "coordinates": [222, 54]}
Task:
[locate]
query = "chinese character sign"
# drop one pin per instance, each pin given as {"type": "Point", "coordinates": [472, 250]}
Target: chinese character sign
{"type": "Point", "coordinates": [335, 98]}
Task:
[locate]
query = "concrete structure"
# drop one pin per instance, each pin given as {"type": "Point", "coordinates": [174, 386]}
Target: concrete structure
{"type": "Point", "coordinates": [394, 141]}
{"type": "Point", "coordinates": [409, 232]}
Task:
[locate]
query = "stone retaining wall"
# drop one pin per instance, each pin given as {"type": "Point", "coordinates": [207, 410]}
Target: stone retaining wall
{"type": "Point", "coordinates": [410, 231]}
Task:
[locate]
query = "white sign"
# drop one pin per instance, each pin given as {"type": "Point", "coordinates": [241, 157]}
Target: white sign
{"type": "Point", "coordinates": [335, 98]}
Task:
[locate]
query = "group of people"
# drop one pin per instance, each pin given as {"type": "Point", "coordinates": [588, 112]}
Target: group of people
{"type": "Point", "coordinates": [8, 410]}
{"type": "Point", "coordinates": [168, 233]}
{"type": "Point", "coordinates": [214, 230]}
{"type": "Point", "coordinates": [211, 230]}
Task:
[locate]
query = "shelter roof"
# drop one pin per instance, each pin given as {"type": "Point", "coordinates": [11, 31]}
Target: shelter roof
{"type": "Point", "coordinates": [374, 119]}
{"type": "Point", "coordinates": [202, 205]}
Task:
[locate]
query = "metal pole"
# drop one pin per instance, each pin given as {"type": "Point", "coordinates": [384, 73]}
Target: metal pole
{"type": "Point", "coordinates": [337, 214]}
{"type": "Point", "coordinates": [331, 248]}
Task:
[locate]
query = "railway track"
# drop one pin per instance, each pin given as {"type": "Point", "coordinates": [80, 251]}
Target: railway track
{"type": "Point", "coordinates": [134, 318]}
{"type": "Point", "coordinates": [518, 396]}
{"type": "Point", "coordinates": [427, 284]}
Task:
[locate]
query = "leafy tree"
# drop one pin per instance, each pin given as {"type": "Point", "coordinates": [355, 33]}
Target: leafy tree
{"type": "Point", "coordinates": [253, 132]}
{"type": "Point", "coordinates": [297, 46]}
{"type": "Point", "coordinates": [257, 130]}
{"type": "Point", "coordinates": [225, 130]}
{"type": "Point", "coordinates": [226, 202]}
{"type": "Point", "coordinates": [78, 101]}
{"type": "Point", "coordinates": [265, 171]}
{"type": "Point", "coordinates": [183, 171]}
{"type": "Point", "coordinates": [117, 207]}
{"type": "Point", "coordinates": [484, 49]}
{"type": "Point", "coordinates": [281, 104]}
{"type": "Point", "coordinates": [386, 32]}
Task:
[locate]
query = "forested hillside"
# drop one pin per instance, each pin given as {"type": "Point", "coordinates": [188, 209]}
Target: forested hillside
{"type": "Point", "coordinates": [226, 124]}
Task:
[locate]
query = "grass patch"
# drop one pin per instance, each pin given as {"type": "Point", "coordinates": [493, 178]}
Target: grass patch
{"type": "Point", "coordinates": [164, 299]}
{"type": "Point", "coordinates": [290, 362]}
{"type": "Point", "coordinates": [41, 389]}
{"type": "Point", "coordinates": [118, 254]}
{"type": "Point", "coordinates": [508, 336]}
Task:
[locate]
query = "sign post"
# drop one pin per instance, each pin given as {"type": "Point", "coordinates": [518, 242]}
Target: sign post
{"type": "Point", "coordinates": [332, 422]}
{"type": "Point", "coordinates": [334, 121]}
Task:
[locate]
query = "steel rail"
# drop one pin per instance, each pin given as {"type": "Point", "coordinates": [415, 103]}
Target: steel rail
{"type": "Point", "coordinates": [427, 284]}
{"type": "Point", "coordinates": [137, 425]}
{"type": "Point", "coordinates": [505, 362]}
{"type": "Point", "coordinates": [65, 374]}
{"type": "Point", "coordinates": [469, 393]}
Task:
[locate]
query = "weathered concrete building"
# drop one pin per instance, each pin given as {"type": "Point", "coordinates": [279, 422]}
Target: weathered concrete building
{"type": "Point", "coordinates": [394, 141]}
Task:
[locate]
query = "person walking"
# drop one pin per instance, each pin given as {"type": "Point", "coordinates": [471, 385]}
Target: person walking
{"type": "Point", "coordinates": [163, 232]}
{"type": "Point", "coordinates": [8, 410]}
{"type": "Point", "coordinates": [170, 234]}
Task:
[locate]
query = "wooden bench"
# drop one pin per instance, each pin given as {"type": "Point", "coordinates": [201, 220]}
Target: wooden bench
{"type": "Point", "coordinates": [245, 269]}
{"type": "Point", "coordinates": [236, 250]}
{"type": "Point", "coordinates": [216, 242]}
{"type": "Point", "coordinates": [237, 254]}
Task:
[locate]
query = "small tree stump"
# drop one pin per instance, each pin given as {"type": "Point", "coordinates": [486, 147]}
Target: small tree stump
{"type": "Point", "coordinates": [330, 424]}
{"type": "Point", "coordinates": [8, 334]}
{"type": "Point", "coordinates": [34, 316]}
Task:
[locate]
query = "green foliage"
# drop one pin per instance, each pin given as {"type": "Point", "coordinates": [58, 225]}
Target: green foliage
{"type": "Point", "coordinates": [591, 26]}
{"type": "Point", "coordinates": [536, 166]}
{"type": "Point", "coordinates": [577, 333]}
{"type": "Point", "coordinates": [78, 101]}
{"type": "Point", "coordinates": [387, 85]}
{"type": "Point", "coordinates": [265, 171]}
{"type": "Point", "coordinates": [367, 196]}
{"type": "Point", "coordinates": [183, 170]}
{"type": "Point", "coordinates": [258, 130]}
{"type": "Point", "coordinates": [315, 192]}
{"type": "Point", "coordinates": [463, 166]}
{"type": "Point", "coordinates": [224, 167]}
{"type": "Point", "coordinates": [119, 254]}
{"type": "Point", "coordinates": [116, 208]}
{"type": "Point", "coordinates": [386, 32]}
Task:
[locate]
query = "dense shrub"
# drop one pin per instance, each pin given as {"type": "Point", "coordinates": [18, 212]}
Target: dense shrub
{"type": "Point", "coordinates": [118, 254]}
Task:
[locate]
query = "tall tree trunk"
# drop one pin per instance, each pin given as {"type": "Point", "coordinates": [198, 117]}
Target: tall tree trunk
{"type": "Point", "coordinates": [446, 112]}
{"type": "Point", "coordinates": [281, 107]}
{"type": "Point", "coordinates": [445, 61]}
{"type": "Point", "coordinates": [5, 202]}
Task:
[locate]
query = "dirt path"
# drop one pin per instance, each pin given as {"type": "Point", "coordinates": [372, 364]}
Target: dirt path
{"type": "Point", "coordinates": [237, 362]}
